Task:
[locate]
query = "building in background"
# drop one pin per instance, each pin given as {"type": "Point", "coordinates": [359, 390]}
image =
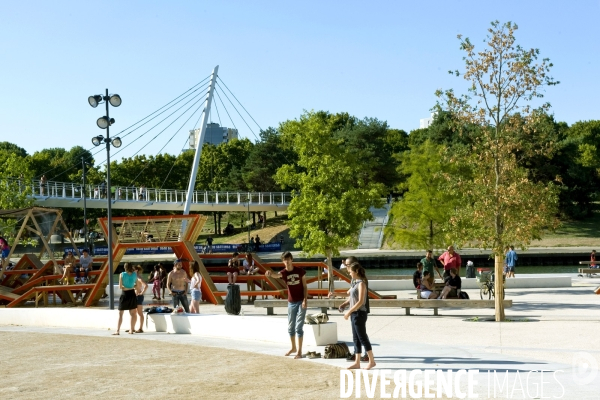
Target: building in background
{"type": "Point", "coordinates": [215, 134]}
{"type": "Point", "coordinates": [425, 122]}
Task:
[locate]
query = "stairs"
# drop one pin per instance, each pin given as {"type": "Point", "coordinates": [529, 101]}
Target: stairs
{"type": "Point", "coordinates": [371, 233]}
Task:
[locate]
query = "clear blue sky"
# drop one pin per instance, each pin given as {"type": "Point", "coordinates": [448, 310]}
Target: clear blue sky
{"type": "Point", "coordinates": [381, 59]}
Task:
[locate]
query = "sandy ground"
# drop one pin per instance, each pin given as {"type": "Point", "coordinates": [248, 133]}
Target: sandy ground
{"type": "Point", "coordinates": [49, 366]}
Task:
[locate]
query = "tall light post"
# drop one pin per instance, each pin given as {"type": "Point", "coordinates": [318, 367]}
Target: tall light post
{"type": "Point", "coordinates": [105, 123]}
{"type": "Point", "coordinates": [84, 193]}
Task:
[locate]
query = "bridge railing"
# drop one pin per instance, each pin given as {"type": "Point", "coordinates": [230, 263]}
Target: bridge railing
{"type": "Point", "coordinates": [74, 191]}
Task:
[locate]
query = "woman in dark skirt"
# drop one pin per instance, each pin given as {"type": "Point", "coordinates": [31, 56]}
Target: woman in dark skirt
{"type": "Point", "coordinates": [128, 300]}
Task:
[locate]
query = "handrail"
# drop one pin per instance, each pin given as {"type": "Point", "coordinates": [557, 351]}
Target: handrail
{"type": "Point", "coordinates": [74, 191]}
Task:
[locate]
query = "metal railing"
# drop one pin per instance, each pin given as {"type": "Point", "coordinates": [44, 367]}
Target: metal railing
{"type": "Point", "coordinates": [74, 191]}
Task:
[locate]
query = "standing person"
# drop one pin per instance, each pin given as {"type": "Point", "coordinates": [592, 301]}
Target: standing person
{"type": "Point", "coordinates": [43, 182]}
{"type": "Point", "coordinates": [163, 278]}
{"type": "Point", "coordinates": [209, 242]}
{"type": "Point", "coordinates": [4, 250]}
{"type": "Point", "coordinates": [140, 289]}
{"type": "Point", "coordinates": [177, 284]}
{"type": "Point", "coordinates": [511, 262]}
{"type": "Point", "coordinates": [357, 313]}
{"type": "Point", "coordinates": [450, 259]}
{"type": "Point", "coordinates": [142, 192]}
{"type": "Point", "coordinates": [156, 280]}
{"type": "Point", "coordinates": [250, 269]}
{"type": "Point", "coordinates": [429, 263]}
{"type": "Point", "coordinates": [251, 245]}
{"type": "Point", "coordinates": [593, 259]}
{"type": "Point", "coordinates": [196, 286]}
{"type": "Point", "coordinates": [127, 301]}
{"type": "Point", "coordinates": [257, 244]}
{"type": "Point", "coordinates": [295, 280]}
{"type": "Point", "coordinates": [233, 268]}
{"type": "Point", "coordinates": [85, 264]}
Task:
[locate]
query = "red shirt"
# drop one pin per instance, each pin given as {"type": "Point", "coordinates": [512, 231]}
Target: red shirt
{"type": "Point", "coordinates": [293, 280]}
{"type": "Point", "coordinates": [449, 261]}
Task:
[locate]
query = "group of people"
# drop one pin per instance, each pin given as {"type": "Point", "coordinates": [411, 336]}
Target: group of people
{"type": "Point", "coordinates": [81, 268]}
{"type": "Point", "coordinates": [357, 304]}
{"type": "Point", "coordinates": [235, 267]}
{"type": "Point", "coordinates": [133, 288]}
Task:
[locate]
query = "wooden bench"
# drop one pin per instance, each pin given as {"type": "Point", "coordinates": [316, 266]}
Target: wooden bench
{"type": "Point", "coordinates": [589, 271]}
{"type": "Point", "coordinates": [407, 304]}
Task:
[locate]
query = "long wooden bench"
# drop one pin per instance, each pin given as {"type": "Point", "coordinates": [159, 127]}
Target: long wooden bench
{"type": "Point", "coordinates": [589, 271]}
{"type": "Point", "coordinates": [407, 304]}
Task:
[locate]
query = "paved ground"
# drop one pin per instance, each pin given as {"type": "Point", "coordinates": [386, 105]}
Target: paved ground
{"type": "Point", "coordinates": [551, 329]}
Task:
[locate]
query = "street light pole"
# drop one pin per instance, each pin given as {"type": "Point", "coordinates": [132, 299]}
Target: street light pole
{"type": "Point", "coordinates": [105, 123]}
{"type": "Point", "coordinates": [111, 290]}
{"type": "Point", "coordinates": [83, 191]}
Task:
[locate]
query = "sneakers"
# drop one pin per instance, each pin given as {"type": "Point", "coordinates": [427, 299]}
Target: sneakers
{"type": "Point", "coordinates": [352, 357]}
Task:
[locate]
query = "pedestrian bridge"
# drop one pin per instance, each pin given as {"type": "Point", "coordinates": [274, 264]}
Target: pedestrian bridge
{"type": "Point", "coordinates": [71, 195]}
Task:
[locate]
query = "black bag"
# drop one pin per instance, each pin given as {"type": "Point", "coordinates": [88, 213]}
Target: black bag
{"type": "Point", "coordinates": [463, 295]}
{"type": "Point", "coordinates": [336, 350]}
{"type": "Point", "coordinates": [233, 300]}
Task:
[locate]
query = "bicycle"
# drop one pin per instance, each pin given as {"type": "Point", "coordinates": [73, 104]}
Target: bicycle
{"type": "Point", "coordinates": [486, 281]}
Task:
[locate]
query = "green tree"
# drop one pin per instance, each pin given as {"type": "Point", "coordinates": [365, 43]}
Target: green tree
{"type": "Point", "coordinates": [501, 204]}
{"type": "Point", "coordinates": [13, 148]}
{"type": "Point", "coordinates": [421, 216]}
{"type": "Point", "coordinates": [334, 192]}
{"type": "Point", "coordinates": [15, 190]}
{"type": "Point", "coordinates": [262, 163]}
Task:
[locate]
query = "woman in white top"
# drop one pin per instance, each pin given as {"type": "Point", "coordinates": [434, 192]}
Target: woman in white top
{"type": "Point", "coordinates": [196, 285]}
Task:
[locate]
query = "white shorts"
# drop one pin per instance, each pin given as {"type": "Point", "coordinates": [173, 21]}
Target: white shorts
{"type": "Point", "coordinates": [425, 294]}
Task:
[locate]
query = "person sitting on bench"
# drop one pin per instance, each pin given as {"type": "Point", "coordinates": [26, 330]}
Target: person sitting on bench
{"type": "Point", "coordinates": [85, 262]}
{"type": "Point", "coordinates": [418, 276]}
{"type": "Point", "coordinates": [427, 286]}
{"type": "Point", "coordinates": [453, 284]}
{"type": "Point", "coordinates": [233, 269]}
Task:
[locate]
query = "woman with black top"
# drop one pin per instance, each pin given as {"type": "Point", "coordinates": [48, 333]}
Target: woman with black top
{"type": "Point", "coordinates": [452, 282]}
{"type": "Point", "coordinates": [128, 299]}
{"type": "Point", "coordinates": [358, 314]}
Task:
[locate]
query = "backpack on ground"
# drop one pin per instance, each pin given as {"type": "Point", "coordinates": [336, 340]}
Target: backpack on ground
{"type": "Point", "coordinates": [336, 350]}
{"type": "Point", "coordinates": [233, 300]}
{"type": "Point", "coordinates": [463, 295]}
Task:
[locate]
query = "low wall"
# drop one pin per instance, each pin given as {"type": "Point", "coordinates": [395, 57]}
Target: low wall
{"type": "Point", "coordinates": [253, 328]}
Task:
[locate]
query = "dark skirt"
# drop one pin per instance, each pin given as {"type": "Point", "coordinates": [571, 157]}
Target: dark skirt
{"type": "Point", "coordinates": [128, 300]}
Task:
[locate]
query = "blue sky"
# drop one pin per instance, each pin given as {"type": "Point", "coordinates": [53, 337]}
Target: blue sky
{"type": "Point", "coordinates": [380, 59]}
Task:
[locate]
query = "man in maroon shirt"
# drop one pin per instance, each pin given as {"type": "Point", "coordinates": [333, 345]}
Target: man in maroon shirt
{"type": "Point", "coordinates": [295, 279]}
{"type": "Point", "coordinates": [450, 259]}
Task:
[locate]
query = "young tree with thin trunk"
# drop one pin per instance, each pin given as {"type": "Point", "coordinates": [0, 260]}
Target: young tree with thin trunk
{"type": "Point", "coordinates": [420, 216]}
{"type": "Point", "coordinates": [501, 204]}
{"type": "Point", "coordinates": [334, 190]}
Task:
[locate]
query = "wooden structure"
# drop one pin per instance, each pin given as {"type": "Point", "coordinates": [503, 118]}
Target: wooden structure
{"type": "Point", "coordinates": [30, 278]}
{"type": "Point", "coordinates": [407, 304]}
{"type": "Point", "coordinates": [179, 232]}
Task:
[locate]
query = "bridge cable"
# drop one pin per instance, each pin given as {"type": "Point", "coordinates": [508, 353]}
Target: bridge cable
{"type": "Point", "coordinates": [89, 150]}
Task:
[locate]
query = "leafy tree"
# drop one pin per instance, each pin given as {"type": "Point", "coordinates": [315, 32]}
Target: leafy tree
{"type": "Point", "coordinates": [588, 132]}
{"type": "Point", "coordinates": [13, 148]}
{"type": "Point", "coordinates": [13, 181]}
{"type": "Point", "coordinates": [374, 144]}
{"type": "Point", "coordinates": [501, 204]}
{"type": "Point", "coordinates": [421, 216]}
{"type": "Point", "coordinates": [263, 161]}
{"type": "Point", "coordinates": [334, 194]}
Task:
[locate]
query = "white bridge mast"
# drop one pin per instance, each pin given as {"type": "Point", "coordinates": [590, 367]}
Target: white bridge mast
{"type": "Point", "coordinates": [200, 141]}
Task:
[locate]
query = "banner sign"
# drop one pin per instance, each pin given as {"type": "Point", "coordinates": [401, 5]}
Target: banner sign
{"type": "Point", "coordinates": [216, 248]}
